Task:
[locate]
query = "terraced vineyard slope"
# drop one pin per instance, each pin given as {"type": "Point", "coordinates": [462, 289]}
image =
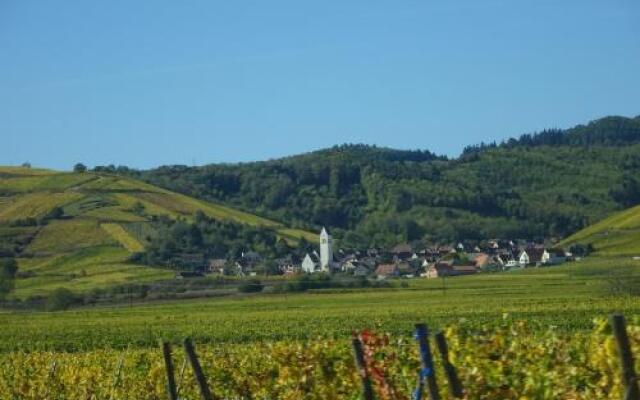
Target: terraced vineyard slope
{"type": "Point", "coordinates": [78, 230]}
{"type": "Point", "coordinates": [616, 235]}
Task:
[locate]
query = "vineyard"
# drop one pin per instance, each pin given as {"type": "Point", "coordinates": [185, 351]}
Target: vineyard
{"type": "Point", "coordinates": [538, 334]}
{"type": "Point", "coordinates": [506, 361]}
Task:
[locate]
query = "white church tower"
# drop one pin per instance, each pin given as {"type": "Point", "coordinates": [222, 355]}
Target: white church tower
{"type": "Point", "coordinates": [326, 251]}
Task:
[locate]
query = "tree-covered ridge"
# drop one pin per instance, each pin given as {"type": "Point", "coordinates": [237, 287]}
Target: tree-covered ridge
{"type": "Point", "coordinates": [373, 196]}
{"type": "Point", "coordinates": [608, 131]}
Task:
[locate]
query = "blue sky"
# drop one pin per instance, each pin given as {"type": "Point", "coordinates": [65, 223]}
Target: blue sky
{"type": "Point", "coordinates": [146, 83]}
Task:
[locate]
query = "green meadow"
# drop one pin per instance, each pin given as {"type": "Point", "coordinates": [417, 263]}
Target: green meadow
{"type": "Point", "coordinates": [568, 297]}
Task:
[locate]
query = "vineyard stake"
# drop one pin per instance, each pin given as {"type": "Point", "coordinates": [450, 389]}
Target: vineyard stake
{"type": "Point", "coordinates": [205, 393]}
{"type": "Point", "coordinates": [168, 363]}
{"type": "Point", "coordinates": [455, 387]}
{"type": "Point", "coordinates": [428, 370]}
{"type": "Point", "coordinates": [182, 368]}
{"type": "Point", "coordinates": [367, 389]}
{"type": "Point", "coordinates": [629, 377]}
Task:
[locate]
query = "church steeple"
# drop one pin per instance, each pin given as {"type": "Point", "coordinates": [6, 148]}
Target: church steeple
{"type": "Point", "coordinates": [326, 250]}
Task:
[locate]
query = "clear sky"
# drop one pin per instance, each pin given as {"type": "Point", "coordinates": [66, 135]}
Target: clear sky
{"type": "Point", "coordinates": [147, 83]}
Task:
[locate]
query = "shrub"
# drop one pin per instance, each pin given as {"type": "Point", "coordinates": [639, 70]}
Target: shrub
{"type": "Point", "coordinates": [61, 299]}
{"type": "Point", "coordinates": [252, 286]}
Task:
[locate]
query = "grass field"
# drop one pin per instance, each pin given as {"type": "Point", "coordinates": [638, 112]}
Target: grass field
{"type": "Point", "coordinates": [568, 297]}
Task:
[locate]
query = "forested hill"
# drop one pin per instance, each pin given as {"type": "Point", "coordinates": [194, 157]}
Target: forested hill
{"type": "Point", "coordinates": [547, 184]}
{"type": "Point", "coordinates": [608, 131]}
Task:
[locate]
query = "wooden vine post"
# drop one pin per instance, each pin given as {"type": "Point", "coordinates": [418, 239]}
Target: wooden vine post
{"type": "Point", "coordinates": [426, 359]}
{"type": "Point", "coordinates": [168, 364]}
{"type": "Point", "coordinates": [629, 377]}
{"type": "Point", "coordinates": [455, 387]}
{"type": "Point", "coordinates": [205, 393]}
{"type": "Point", "coordinates": [358, 352]}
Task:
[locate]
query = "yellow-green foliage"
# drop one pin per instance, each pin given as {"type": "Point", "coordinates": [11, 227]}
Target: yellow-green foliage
{"type": "Point", "coordinates": [8, 171]}
{"type": "Point", "coordinates": [296, 234]}
{"type": "Point", "coordinates": [507, 362]}
{"type": "Point", "coordinates": [47, 182]}
{"type": "Point", "coordinates": [67, 235]}
{"type": "Point", "coordinates": [127, 201]}
{"type": "Point", "coordinates": [618, 234]}
{"type": "Point", "coordinates": [116, 213]}
{"type": "Point", "coordinates": [123, 237]}
{"type": "Point", "coordinates": [34, 204]}
{"type": "Point", "coordinates": [82, 270]}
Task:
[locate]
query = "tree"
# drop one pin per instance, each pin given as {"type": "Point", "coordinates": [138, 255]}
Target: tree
{"type": "Point", "coordinates": [271, 268]}
{"type": "Point", "coordinates": [61, 299]}
{"type": "Point", "coordinates": [80, 167]}
{"type": "Point", "coordinates": [8, 272]}
{"type": "Point", "coordinates": [26, 165]}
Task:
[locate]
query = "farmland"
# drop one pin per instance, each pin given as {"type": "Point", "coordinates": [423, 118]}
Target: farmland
{"type": "Point", "coordinates": [567, 297]}
{"type": "Point", "coordinates": [618, 234]}
{"type": "Point", "coordinates": [101, 221]}
{"type": "Point", "coordinates": [273, 344]}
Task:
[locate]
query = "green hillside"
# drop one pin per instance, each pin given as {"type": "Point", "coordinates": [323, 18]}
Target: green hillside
{"type": "Point", "coordinates": [616, 235]}
{"type": "Point", "coordinates": [79, 230]}
{"type": "Point", "coordinates": [549, 184]}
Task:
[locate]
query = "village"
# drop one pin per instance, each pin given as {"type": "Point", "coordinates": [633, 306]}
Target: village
{"type": "Point", "coordinates": [402, 260]}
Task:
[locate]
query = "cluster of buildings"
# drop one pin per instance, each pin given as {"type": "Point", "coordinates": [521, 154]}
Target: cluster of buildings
{"type": "Point", "coordinates": [404, 260]}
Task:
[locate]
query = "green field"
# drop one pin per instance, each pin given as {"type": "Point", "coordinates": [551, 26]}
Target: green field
{"type": "Point", "coordinates": [89, 247]}
{"type": "Point", "coordinates": [537, 333]}
{"type": "Point", "coordinates": [568, 297]}
{"type": "Point", "coordinates": [616, 235]}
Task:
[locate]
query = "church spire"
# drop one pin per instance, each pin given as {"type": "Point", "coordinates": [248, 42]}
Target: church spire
{"type": "Point", "coordinates": [326, 250]}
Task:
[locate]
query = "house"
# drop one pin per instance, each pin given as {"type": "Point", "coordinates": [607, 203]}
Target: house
{"type": "Point", "coordinates": [287, 266]}
{"type": "Point", "coordinates": [217, 265]}
{"type": "Point", "coordinates": [439, 269]}
{"type": "Point", "coordinates": [444, 250]}
{"type": "Point", "coordinates": [553, 257]}
{"type": "Point", "coordinates": [349, 265]}
{"type": "Point", "coordinates": [369, 262]}
{"type": "Point", "coordinates": [361, 270]}
{"type": "Point", "coordinates": [372, 252]}
{"type": "Point", "coordinates": [530, 256]}
{"type": "Point", "coordinates": [484, 260]}
{"type": "Point", "coordinates": [311, 263]}
{"type": "Point", "coordinates": [387, 270]}
{"type": "Point", "coordinates": [405, 269]}
{"type": "Point", "coordinates": [402, 251]}
{"type": "Point", "coordinates": [243, 268]}
{"type": "Point", "coordinates": [252, 257]}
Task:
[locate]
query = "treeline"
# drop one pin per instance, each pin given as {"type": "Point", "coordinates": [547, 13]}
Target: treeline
{"type": "Point", "coordinates": [609, 131]}
{"type": "Point", "coordinates": [179, 244]}
{"type": "Point", "coordinates": [370, 196]}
